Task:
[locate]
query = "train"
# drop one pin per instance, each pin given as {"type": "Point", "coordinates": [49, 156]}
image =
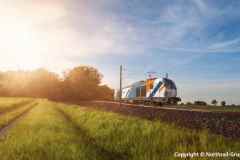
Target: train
{"type": "Point", "coordinates": [154, 91]}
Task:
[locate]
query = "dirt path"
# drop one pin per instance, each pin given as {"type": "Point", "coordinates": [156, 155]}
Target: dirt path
{"type": "Point", "coordinates": [15, 120]}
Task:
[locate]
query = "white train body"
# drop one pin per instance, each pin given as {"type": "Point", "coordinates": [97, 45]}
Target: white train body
{"type": "Point", "coordinates": [154, 90]}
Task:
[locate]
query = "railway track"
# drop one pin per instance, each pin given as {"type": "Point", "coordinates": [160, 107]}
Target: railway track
{"type": "Point", "coordinates": [222, 123]}
{"type": "Point", "coordinates": [153, 107]}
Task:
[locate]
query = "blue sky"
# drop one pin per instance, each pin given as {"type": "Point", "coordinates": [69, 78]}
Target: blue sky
{"type": "Point", "coordinates": [196, 41]}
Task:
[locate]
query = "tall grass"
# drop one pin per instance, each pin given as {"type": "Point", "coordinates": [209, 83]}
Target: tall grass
{"type": "Point", "coordinates": [43, 135]}
{"type": "Point", "coordinates": [7, 103]}
{"type": "Point", "coordinates": [142, 139]}
{"type": "Point", "coordinates": [57, 131]}
{"type": "Point", "coordinates": [7, 117]}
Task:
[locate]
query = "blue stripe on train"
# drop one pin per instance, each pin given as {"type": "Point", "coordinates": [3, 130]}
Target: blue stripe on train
{"type": "Point", "coordinates": [156, 89]}
{"type": "Point", "coordinates": [127, 94]}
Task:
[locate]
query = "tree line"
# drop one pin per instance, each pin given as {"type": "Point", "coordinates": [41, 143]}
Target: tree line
{"type": "Point", "coordinates": [214, 102]}
{"type": "Point", "coordinates": [79, 83]}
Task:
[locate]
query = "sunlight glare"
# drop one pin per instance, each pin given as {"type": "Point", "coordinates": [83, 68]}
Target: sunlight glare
{"type": "Point", "coordinates": [20, 47]}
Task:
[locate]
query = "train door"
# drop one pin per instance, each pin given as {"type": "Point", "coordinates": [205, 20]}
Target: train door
{"type": "Point", "coordinates": [141, 91]}
{"type": "Point", "coordinates": [149, 86]}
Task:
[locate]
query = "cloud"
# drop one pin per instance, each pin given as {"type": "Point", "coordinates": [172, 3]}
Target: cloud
{"type": "Point", "coordinates": [201, 6]}
{"type": "Point", "coordinates": [226, 44]}
{"type": "Point", "coordinates": [58, 34]}
{"type": "Point", "coordinates": [61, 29]}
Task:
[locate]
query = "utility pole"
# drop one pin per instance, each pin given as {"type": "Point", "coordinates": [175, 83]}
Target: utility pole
{"type": "Point", "coordinates": [120, 87]}
{"type": "Point", "coordinates": [166, 75]}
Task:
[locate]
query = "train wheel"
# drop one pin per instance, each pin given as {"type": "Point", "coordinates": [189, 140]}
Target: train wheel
{"type": "Point", "coordinates": [172, 101]}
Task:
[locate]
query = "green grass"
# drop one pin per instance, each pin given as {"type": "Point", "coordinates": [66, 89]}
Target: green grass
{"type": "Point", "coordinates": [7, 117]}
{"type": "Point", "coordinates": [64, 132]}
{"type": "Point", "coordinates": [143, 139]}
{"type": "Point", "coordinates": [44, 134]}
{"type": "Point", "coordinates": [7, 103]}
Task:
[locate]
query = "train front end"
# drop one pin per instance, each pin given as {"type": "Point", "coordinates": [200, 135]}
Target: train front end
{"type": "Point", "coordinates": [161, 90]}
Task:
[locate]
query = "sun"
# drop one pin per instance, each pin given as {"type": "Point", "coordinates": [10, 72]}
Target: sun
{"type": "Point", "coordinates": [20, 46]}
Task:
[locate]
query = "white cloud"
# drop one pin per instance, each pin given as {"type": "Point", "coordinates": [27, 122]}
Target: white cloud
{"type": "Point", "coordinates": [35, 33]}
{"type": "Point", "coordinates": [201, 5]}
{"type": "Point", "coordinates": [226, 44]}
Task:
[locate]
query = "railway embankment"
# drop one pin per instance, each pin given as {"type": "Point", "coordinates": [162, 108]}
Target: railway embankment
{"type": "Point", "coordinates": [223, 123]}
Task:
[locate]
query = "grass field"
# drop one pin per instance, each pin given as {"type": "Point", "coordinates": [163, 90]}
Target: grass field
{"type": "Point", "coordinates": [8, 103]}
{"type": "Point", "coordinates": [62, 132]}
{"type": "Point", "coordinates": [5, 118]}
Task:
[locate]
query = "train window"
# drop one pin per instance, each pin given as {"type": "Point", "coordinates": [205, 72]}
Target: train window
{"type": "Point", "coordinates": [138, 92]}
{"type": "Point", "coordinates": [143, 91]}
{"type": "Point", "coordinates": [169, 83]}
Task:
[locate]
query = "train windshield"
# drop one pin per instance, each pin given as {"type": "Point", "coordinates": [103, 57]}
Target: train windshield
{"type": "Point", "coordinates": [169, 83]}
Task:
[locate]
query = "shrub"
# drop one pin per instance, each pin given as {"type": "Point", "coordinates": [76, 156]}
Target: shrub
{"type": "Point", "coordinates": [214, 102]}
{"type": "Point", "coordinates": [200, 103]}
{"type": "Point", "coordinates": [223, 103]}
{"type": "Point", "coordinates": [188, 103]}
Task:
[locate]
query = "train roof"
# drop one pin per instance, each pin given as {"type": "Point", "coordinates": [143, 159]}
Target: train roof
{"type": "Point", "coordinates": [138, 83]}
{"type": "Point", "coordinates": [143, 82]}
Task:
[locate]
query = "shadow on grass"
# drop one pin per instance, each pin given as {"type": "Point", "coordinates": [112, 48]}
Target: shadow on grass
{"type": "Point", "coordinates": [14, 120]}
{"type": "Point", "coordinates": [15, 106]}
{"type": "Point", "coordinates": [92, 142]}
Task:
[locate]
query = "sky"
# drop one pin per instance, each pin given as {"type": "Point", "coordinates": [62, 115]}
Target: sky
{"type": "Point", "coordinates": [197, 42]}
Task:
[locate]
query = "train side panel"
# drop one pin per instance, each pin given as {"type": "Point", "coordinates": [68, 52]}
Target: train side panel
{"type": "Point", "coordinates": [153, 91]}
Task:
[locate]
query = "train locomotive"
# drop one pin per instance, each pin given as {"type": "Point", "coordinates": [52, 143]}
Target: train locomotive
{"type": "Point", "coordinates": [157, 91]}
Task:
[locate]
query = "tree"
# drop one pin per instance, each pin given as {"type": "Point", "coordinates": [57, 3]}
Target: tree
{"type": "Point", "coordinates": [81, 83]}
{"type": "Point", "coordinates": [223, 103]}
{"type": "Point", "coordinates": [214, 102]}
{"type": "Point", "coordinates": [3, 91]}
{"type": "Point", "coordinates": [105, 93]}
{"type": "Point", "coordinates": [201, 103]}
{"type": "Point", "coordinates": [14, 83]}
{"type": "Point", "coordinates": [43, 84]}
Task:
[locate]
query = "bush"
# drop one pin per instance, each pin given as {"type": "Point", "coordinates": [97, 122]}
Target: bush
{"type": "Point", "coordinates": [223, 103]}
{"type": "Point", "coordinates": [202, 103]}
{"type": "Point", "coordinates": [214, 102]}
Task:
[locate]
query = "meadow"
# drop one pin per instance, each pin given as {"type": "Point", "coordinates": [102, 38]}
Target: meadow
{"type": "Point", "coordinates": [59, 131]}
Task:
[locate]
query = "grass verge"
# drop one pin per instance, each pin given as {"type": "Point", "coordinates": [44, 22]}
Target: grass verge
{"type": "Point", "coordinates": [45, 134]}
{"type": "Point", "coordinates": [140, 139]}
{"type": "Point", "coordinates": [10, 116]}
{"type": "Point", "coordinates": [56, 131]}
{"type": "Point", "coordinates": [7, 104]}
